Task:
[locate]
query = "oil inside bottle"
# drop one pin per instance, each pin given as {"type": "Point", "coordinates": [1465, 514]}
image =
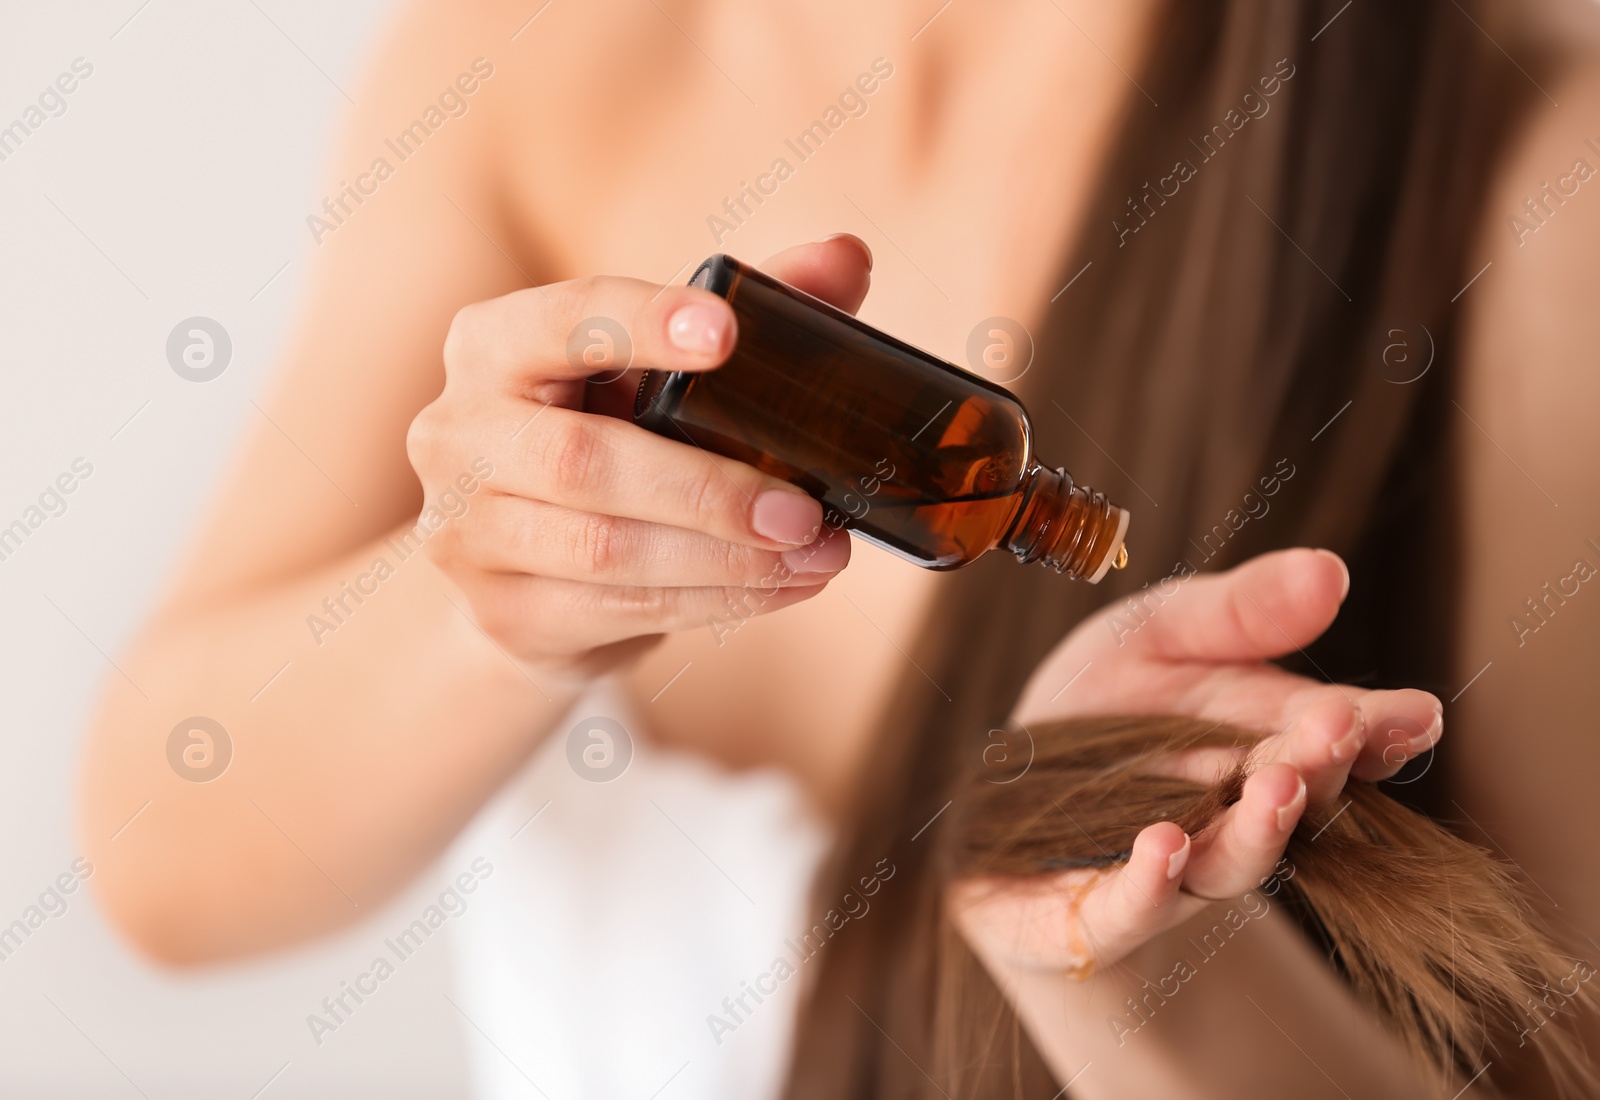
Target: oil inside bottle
{"type": "Point", "coordinates": [905, 450]}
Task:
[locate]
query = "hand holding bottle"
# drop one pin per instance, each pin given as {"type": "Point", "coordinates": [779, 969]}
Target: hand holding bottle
{"type": "Point", "coordinates": [595, 536]}
{"type": "Point", "coordinates": [910, 452]}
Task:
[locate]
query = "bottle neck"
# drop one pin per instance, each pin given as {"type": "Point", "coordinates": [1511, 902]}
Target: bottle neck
{"type": "Point", "coordinates": [1070, 528]}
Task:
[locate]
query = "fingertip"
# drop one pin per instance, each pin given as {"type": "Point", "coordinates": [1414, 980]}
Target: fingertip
{"type": "Point", "coordinates": [1276, 796]}
{"type": "Point", "coordinates": [1276, 781]}
{"type": "Point", "coordinates": [837, 270]}
{"type": "Point", "coordinates": [825, 555]}
{"type": "Point", "coordinates": [786, 515]}
{"type": "Point", "coordinates": [1402, 724]}
{"type": "Point", "coordinates": [806, 591]}
{"type": "Point", "coordinates": [1160, 853]}
{"type": "Point", "coordinates": [1164, 837]}
{"type": "Point", "coordinates": [1330, 730]}
{"type": "Point", "coordinates": [787, 595]}
{"type": "Point", "coordinates": [1290, 812]}
{"type": "Point", "coordinates": [1344, 572]}
{"type": "Point", "coordinates": [698, 328]}
{"type": "Point", "coordinates": [1178, 860]}
{"type": "Point", "coordinates": [1296, 591]}
{"type": "Point", "coordinates": [856, 242]}
{"type": "Point", "coordinates": [1314, 578]}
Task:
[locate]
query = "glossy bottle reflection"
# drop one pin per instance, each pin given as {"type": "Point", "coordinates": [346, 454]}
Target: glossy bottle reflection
{"type": "Point", "coordinates": [901, 448]}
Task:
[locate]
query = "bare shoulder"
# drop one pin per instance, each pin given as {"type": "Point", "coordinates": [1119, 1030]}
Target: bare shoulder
{"type": "Point", "coordinates": [1524, 422]}
{"type": "Point", "coordinates": [1528, 626]}
{"type": "Point", "coordinates": [1530, 316]}
{"type": "Point", "coordinates": [547, 60]}
{"type": "Point", "coordinates": [426, 39]}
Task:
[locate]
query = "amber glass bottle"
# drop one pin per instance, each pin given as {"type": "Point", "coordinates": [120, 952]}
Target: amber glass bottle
{"type": "Point", "coordinates": [903, 449]}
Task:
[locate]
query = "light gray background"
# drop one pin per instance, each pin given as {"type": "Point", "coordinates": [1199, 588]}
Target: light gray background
{"type": "Point", "coordinates": [189, 160]}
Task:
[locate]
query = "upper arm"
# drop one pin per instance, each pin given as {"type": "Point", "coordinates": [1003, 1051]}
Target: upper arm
{"type": "Point", "coordinates": [1522, 750]}
{"type": "Point", "coordinates": [322, 467]}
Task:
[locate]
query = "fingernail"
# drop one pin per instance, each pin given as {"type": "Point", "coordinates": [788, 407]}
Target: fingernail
{"type": "Point", "coordinates": [785, 516]}
{"type": "Point", "coordinates": [1178, 860]}
{"type": "Point", "coordinates": [1347, 746]}
{"type": "Point", "coordinates": [1425, 740]}
{"type": "Point", "coordinates": [1345, 569]}
{"type": "Point", "coordinates": [857, 241]}
{"type": "Point", "coordinates": [827, 554]}
{"type": "Point", "coordinates": [698, 327]}
{"type": "Point", "coordinates": [1290, 813]}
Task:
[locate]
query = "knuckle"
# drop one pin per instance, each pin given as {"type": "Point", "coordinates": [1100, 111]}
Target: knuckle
{"type": "Point", "coordinates": [422, 437]}
{"type": "Point", "coordinates": [584, 294]}
{"type": "Point", "coordinates": [647, 602]}
{"type": "Point", "coordinates": [570, 456]}
{"type": "Point", "coordinates": [498, 618]}
{"type": "Point", "coordinates": [463, 342]}
{"type": "Point", "coordinates": [704, 497]}
{"type": "Point", "coordinates": [734, 563]}
{"type": "Point", "coordinates": [751, 568]}
{"type": "Point", "coordinates": [601, 544]}
{"type": "Point", "coordinates": [449, 550]}
{"type": "Point", "coordinates": [512, 611]}
{"type": "Point", "coordinates": [1246, 623]}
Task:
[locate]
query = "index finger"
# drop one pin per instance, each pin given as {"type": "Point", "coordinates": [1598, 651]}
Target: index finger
{"type": "Point", "coordinates": [598, 325]}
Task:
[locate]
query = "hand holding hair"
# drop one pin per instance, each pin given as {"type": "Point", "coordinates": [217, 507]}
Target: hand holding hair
{"type": "Point", "coordinates": [1431, 933]}
{"type": "Point", "coordinates": [1204, 652]}
{"type": "Point", "coordinates": [1124, 827]}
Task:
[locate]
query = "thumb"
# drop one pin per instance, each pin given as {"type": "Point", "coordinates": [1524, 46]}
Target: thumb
{"type": "Point", "coordinates": [837, 270]}
{"type": "Point", "coordinates": [1269, 606]}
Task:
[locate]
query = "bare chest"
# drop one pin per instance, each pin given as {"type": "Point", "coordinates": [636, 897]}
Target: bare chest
{"type": "Point", "coordinates": [963, 157]}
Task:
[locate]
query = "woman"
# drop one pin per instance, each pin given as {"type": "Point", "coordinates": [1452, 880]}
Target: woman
{"type": "Point", "coordinates": [1241, 232]}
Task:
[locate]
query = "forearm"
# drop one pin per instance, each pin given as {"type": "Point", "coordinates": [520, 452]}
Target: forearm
{"type": "Point", "coordinates": [1215, 1011]}
{"type": "Point", "coordinates": [363, 736]}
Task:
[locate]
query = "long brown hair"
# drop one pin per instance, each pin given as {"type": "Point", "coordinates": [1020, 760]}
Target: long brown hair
{"type": "Point", "coordinates": [1431, 932]}
{"type": "Point", "coordinates": [1246, 326]}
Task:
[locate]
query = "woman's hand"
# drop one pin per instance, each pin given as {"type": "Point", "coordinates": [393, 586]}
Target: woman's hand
{"type": "Point", "coordinates": [595, 536]}
{"type": "Point", "coordinates": [1201, 653]}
